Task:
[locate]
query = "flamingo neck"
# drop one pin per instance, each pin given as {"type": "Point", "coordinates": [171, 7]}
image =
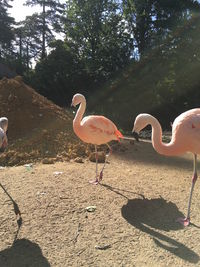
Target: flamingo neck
{"type": "Point", "coordinates": [168, 149]}
{"type": "Point", "coordinates": [79, 114]}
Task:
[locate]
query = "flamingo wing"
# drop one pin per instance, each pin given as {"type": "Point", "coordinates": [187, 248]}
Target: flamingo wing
{"type": "Point", "coordinates": [195, 122]}
{"type": "Point", "coordinates": [189, 120]}
{"type": "Point", "coordinates": [101, 126]}
{"type": "Point", "coordinates": [187, 127]}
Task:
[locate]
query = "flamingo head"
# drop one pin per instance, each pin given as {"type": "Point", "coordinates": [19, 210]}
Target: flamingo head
{"type": "Point", "coordinates": [141, 121]}
{"type": "Point", "coordinates": [4, 123]}
{"type": "Point", "coordinates": [77, 99]}
{"type": "Point", "coordinates": [3, 140]}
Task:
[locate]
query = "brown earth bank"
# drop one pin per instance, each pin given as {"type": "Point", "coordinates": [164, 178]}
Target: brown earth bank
{"type": "Point", "coordinates": [131, 222]}
{"type": "Point", "coordinates": [38, 129]}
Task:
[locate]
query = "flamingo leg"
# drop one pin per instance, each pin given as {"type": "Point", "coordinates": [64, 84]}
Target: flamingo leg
{"type": "Point", "coordinates": [109, 153]}
{"type": "Point", "coordinates": [186, 221]}
{"type": "Point", "coordinates": [96, 156]}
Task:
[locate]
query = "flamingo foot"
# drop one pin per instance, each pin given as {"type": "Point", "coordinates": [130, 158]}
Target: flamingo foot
{"type": "Point", "coordinates": [94, 182]}
{"type": "Point", "coordinates": [184, 221]}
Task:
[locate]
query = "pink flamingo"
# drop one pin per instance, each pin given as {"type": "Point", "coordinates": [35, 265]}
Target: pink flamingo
{"type": "Point", "coordinates": [3, 136]}
{"type": "Point", "coordinates": [185, 138]}
{"type": "Point", "coordinates": [96, 130]}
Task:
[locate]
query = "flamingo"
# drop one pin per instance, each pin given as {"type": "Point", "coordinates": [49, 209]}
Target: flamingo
{"type": "Point", "coordinates": [94, 129]}
{"type": "Point", "coordinates": [3, 145]}
{"type": "Point", "coordinates": [3, 136]}
{"type": "Point", "coordinates": [185, 138]}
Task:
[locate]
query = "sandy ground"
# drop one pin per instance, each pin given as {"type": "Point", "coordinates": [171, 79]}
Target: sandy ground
{"type": "Point", "coordinates": [141, 195]}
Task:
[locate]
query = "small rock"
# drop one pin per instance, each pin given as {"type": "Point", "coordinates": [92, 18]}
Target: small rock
{"type": "Point", "coordinates": [91, 208]}
{"type": "Point", "coordinates": [101, 157]}
{"type": "Point", "coordinates": [56, 173]}
{"type": "Point", "coordinates": [40, 193]}
{"type": "Point", "coordinates": [48, 161]}
{"type": "Point", "coordinates": [78, 160]}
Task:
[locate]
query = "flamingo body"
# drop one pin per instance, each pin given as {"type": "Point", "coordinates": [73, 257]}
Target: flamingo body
{"type": "Point", "coordinates": [96, 130]}
{"type": "Point", "coordinates": [186, 132]}
{"type": "Point", "coordinates": [185, 138]}
{"type": "Point", "coordinates": [3, 136]}
{"type": "Point", "coordinates": [93, 129]}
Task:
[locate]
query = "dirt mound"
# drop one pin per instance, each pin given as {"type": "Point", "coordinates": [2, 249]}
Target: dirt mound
{"type": "Point", "coordinates": [38, 129]}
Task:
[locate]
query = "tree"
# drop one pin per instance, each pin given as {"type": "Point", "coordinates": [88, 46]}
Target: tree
{"type": "Point", "coordinates": [27, 39]}
{"type": "Point", "coordinates": [96, 32]}
{"type": "Point", "coordinates": [50, 19]}
{"type": "Point", "coordinates": [60, 74]}
{"type": "Point", "coordinates": [6, 33]}
{"type": "Point", "coordinates": [152, 21]}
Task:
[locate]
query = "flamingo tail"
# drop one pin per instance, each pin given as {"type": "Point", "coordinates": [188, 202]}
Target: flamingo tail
{"type": "Point", "coordinates": [119, 135]}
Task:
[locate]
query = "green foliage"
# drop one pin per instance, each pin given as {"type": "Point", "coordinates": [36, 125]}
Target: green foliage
{"type": "Point", "coordinates": [164, 83]}
{"type": "Point", "coordinates": [59, 75]}
{"type": "Point", "coordinates": [28, 39]}
{"type": "Point", "coordinates": [96, 45]}
{"type": "Point", "coordinates": [130, 56]}
{"type": "Point", "coordinates": [152, 21]}
{"type": "Point", "coordinates": [6, 33]}
{"type": "Point", "coordinates": [49, 18]}
{"type": "Point", "coordinates": [96, 32]}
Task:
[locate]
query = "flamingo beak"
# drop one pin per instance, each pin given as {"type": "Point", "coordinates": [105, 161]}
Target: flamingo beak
{"type": "Point", "coordinates": [135, 135]}
{"type": "Point", "coordinates": [72, 104]}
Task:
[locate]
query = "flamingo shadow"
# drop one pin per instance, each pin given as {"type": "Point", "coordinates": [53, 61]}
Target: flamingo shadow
{"type": "Point", "coordinates": [16, 211]}
{"type": "Point", "coordinates": [118, 191]}
{"type": "Point", "coordinates": [23, 253]}
{"type": "Point", "coordinates": [145, 214]}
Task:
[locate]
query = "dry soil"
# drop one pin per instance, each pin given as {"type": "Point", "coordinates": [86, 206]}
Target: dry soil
{"type": "Point", "coordinates": [134, 223]}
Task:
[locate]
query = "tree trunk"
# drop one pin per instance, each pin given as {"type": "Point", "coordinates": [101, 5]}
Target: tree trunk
{"type": "Point", "coordinates": [43, 30]}
{"type": "Point", "coordinates": [27, 56]}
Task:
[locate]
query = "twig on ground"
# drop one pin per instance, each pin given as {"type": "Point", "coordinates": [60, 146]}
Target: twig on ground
{"type": "Point", "coordinates": [81, 251]}
{"type": "Point", "coordinates": [77, 233]}
{"type": "Point", "coordinates": [104, 247]}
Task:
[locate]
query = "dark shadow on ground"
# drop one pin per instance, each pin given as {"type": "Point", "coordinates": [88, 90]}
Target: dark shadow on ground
{"type": "Point", "coordinates": [156, 213]}
{"type": "Point", "coordinates": [23, 253]}
{"type": "Point", "coordinates": [16, 211]}
{"type": "Point", "coordinates": [145, 214]}
{"type": "Point", "coordinates": [120, 192]}
{"type": "Point", "coordinates": [144, 152]}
